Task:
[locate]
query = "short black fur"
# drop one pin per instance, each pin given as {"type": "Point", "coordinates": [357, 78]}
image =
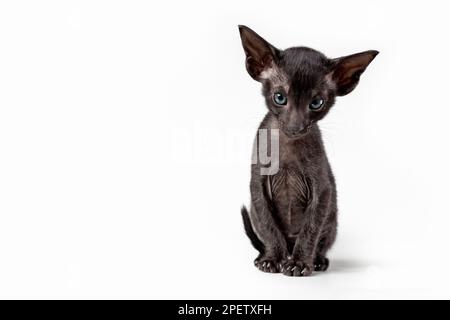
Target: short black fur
{"type": "Point", "coordinates": [293, 213]}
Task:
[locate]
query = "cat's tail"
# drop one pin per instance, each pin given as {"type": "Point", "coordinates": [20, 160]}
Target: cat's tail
{"type": "Point", "coordinates": [250, 232]}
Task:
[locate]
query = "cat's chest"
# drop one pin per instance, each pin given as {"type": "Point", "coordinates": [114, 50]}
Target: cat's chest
{"type": "Point", "coordinates": [289, 192]}
{"type": "Point", "coordinates": [289, 185]}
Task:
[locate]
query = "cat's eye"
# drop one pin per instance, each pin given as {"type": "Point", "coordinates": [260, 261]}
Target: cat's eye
{"type": "Point", "coordinates": [279, 98]}
{"type": "Point", "coordinates": [316, 104]}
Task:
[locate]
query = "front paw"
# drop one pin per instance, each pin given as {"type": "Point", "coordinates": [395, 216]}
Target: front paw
{"type": "Point", "coordinates": [321, 264]}
{"type": "Point", "coordinates": [267, 264]}
{"type": "Point", "coordinates": [296, 268]}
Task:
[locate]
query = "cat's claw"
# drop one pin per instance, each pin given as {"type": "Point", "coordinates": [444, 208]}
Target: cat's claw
{"type": "Point", "coordinates": [297, 268]}
{"type": "Point", "coordinates": [267, 265]}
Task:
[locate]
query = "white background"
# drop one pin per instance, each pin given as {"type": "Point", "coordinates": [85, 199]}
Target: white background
{"type": "Point", "coordinates": [125, 137]}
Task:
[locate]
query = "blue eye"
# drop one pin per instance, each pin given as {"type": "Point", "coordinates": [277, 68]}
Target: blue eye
{"type": "Point", "coordinates": [279, 99]}
{"type": "Point", "coordinates": [316, 104]}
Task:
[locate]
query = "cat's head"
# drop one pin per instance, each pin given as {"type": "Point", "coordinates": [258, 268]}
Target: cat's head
{"type": "Point", "coordinates": [300, 84]}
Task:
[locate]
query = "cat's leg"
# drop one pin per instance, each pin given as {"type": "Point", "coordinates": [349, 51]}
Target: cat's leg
{"type": "Point", "coordinates": [321, 262]}
{"type": "Point", "coordinates": [301, 262]}
{"type": "Point", "coordinates": [263, 222]}
{"type": "Point", "coordinates": [326, 240]}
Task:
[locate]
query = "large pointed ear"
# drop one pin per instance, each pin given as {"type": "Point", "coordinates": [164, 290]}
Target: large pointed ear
{"type": "Point", "coordinates": [347, 70]}
{"type": "Point", "coordinates": [260, 55]}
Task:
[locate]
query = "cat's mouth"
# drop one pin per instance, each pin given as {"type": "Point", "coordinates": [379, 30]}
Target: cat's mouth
{"type": "Point", "coordinates": [297, 134]}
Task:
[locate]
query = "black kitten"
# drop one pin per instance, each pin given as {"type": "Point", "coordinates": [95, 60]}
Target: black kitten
{"type": "Point", "coordinates": [293, 213]}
